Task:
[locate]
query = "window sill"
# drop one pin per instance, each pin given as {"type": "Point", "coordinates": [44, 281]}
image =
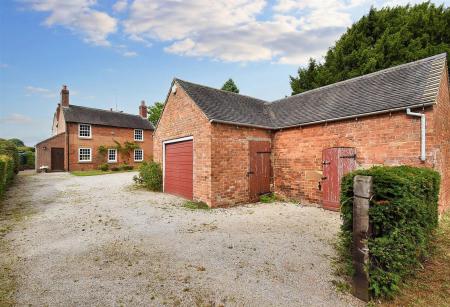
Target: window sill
{"type": "Point", "coordinates": [84, 162]}
{"type": "Point", "coordinates": [112, 162]}
{"type": "Point", "coordinates": [140, 141]}
{"type": "Point", "coordinates": [138, 161]}
{"type": "Point", "coordinates": [85, 137]}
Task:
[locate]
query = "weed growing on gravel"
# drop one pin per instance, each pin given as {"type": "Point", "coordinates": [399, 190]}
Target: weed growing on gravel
{"type": "Point", "coordinates": [193, 205]}
{"type": "Point", "coordinates": [268, 198]}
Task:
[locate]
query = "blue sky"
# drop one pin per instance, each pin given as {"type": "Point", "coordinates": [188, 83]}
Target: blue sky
{"type": "Point", "coordinates": [118, 52]}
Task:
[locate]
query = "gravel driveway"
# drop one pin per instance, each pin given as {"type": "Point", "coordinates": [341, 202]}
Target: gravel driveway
{"type": "Point", "coordinates": [99, 241]}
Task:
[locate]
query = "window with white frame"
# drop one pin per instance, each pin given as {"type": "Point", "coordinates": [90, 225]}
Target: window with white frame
{"type": "Point", "coordinates": [138, 135]}
{"type": "Point", "coordinates": [84, 154]}
{"type": "Point", "coordinates": [84, 130]}
{"type": "Point", "coordinates": [112, 155]}
{"type": "Point", "coordinates": [138, 155]}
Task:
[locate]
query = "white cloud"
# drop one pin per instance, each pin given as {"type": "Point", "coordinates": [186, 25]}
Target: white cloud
{"type": "Point", "coordinates": [16, 118]}
{"type": "Point", "coordinates": [79, 16]}
{"type": "Point", "coordinates": [129, 54]}
{"type": "Point", "coordinates": [120, 6]}
{"type": "Point", "coordinates": [3, 65]}
{"type": "Point", "coordinates": [39, 91]}
{"type": "Point", "coordinates": [241, 30]}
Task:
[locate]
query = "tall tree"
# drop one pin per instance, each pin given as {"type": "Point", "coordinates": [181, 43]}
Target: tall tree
{"type": "Point", "coordinates": [230, 86]}
{"type": "Point", "coordinates": [154, 112]}
{"type": "Point", "coordinates": [17, 142]}
{"type": "Point", "coordinates": [381, 39]}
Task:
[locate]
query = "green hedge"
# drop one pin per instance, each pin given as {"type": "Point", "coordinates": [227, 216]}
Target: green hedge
{"type": "Point", "coordinates": [8, 148]}
{"type": "Point", "coordinates": [150, 176]}
{"type": "Point", "coordinates": [403, 214]}
{"type": "Point", "coordinates": [6, 172]}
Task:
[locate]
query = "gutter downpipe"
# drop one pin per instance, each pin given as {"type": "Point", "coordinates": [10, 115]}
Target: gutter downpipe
{"type": "Point", "coordinates": [422, 132]}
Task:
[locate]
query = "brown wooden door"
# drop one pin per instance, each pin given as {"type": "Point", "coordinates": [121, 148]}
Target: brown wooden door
{"type": "Point", "coordinates": [337, 162]}
{"type": "Point", "coordinates": [260, 169]}
{"type": "Point", "coordinates": [57, 156]}
{"type": "Point", "coordinates": [178, 169]}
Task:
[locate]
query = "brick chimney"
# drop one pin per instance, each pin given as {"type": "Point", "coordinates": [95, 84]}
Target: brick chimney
{"type": "Point", "coordinates": [143, 109]}
{"type": "Point", "coordinates": [64, 96]}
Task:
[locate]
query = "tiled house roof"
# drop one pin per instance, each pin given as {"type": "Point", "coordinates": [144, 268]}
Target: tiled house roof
{"type": "Point", "coordinates": [399, 87]}
{"type": "Point", "coordinates": [79, 114]}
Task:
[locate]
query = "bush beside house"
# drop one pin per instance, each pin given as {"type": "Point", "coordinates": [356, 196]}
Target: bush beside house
{"type": "Point", "coordinates": [150, 176]}
{"type": "Point", "coordinates": [403, 214]}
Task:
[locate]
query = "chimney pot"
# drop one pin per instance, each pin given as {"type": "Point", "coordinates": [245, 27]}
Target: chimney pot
{"type": "Point", "coordinates": [143, 109]}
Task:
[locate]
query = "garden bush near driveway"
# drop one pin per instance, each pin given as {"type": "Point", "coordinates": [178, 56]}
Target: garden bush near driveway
{"type": "Point", "coordinates": [403, 214]}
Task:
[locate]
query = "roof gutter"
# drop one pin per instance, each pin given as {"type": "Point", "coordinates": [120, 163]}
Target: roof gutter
{"type": "Point", "coordinates": [239, 124]}
{"type": "Point", "coordinates": [324, 120]}
{"type": "Point", "coordinates": [358, 115]}
{"type": "Point", "coordinates": [423, 155]}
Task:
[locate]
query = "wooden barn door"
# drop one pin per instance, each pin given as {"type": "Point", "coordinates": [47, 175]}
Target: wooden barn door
{"type": "Point", "coordinates": [260, 169]}
{"type": "Point", "coordinates": [57, 159]}
{"type": "Point", "coordinates": [337, 162]}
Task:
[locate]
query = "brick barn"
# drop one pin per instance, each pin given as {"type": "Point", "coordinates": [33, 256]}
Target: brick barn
{"type": "Point", "coordinates": [224, 148]}
{"type": "Point", "coordinates": [79, 131]}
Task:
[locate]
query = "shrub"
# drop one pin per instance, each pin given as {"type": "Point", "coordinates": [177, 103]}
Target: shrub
{"type": "Point", "coordinates": [8, 148]}
{"type": "Point", "coordinates": [26, 159]}
{"type": "Point", "coordinates": [6, 172]}
{"type": "Point", "coordinates": [403, 214]}
{"type": "Point", "coordinates": [150, 176]}
{"type": "Point", "coordinates": [115, 169]}
{"type": "Point", "coordinates": [103, 167]}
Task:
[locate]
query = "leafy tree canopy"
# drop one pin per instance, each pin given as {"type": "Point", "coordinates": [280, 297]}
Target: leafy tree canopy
{"type": "Point", "coordinates": [230, 86]}
{"type": "Point", "coordinates": [383, 38]}
{"type": "Point", "coordinates": [17, 142]}
{"type": "Point", "coordinates": [154, 112]}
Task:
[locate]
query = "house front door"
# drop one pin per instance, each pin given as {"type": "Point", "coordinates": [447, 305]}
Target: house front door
{"type": "Point", "coordinates": [337, 162]}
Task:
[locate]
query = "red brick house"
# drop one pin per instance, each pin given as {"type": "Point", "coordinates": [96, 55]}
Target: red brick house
{"type": "Point", "coordinates": [224, 148]}
{"type": "Point", "coordinates": [79, 131]}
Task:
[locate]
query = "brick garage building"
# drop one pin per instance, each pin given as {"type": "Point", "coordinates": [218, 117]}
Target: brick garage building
{"type": "Point", "coordinates": [224, 148]}
{"type": "Point", "coordinates": [78, 132]}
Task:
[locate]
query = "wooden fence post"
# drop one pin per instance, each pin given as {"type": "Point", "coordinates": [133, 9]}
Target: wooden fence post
{"type": "Point", "coordinates": [362, 192]}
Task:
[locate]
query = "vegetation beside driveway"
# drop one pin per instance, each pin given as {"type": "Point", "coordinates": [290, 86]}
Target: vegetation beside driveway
{"type": "Point", "coordinates": [98, 240]}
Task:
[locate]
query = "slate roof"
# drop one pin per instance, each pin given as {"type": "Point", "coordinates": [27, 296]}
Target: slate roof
{"type": "Point", "coordinates": [79, 114]}
{"type": "Point", "coordinates": [399, 87]}
{"type": "Point", "coordinates": [227, 106]}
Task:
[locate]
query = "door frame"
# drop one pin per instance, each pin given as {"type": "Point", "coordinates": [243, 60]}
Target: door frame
{"type": "Point", "coordinates": [178, 140]}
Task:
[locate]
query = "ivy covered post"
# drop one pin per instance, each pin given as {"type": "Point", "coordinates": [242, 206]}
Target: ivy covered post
{"type": "Point", "coordinates": [362, 191]}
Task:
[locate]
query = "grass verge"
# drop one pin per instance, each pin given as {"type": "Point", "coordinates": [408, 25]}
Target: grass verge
{"type": "Point", "coordinates": [431, 285]}
{"type": "Point", "coordinates": [96, 172]}
{"type": "Point", "coordinates": [9, 218]}
{"type": "Point", "coordinates": [194, 205]}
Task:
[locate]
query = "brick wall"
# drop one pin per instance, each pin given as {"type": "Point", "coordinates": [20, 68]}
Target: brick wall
{"type": "Point", "coordinates": [230, 162]}
{"type": "Point", "coordinates": [181, 118]}
{"type": "Point", "coordinates": [390, 139]}
{"type": "Point", "coordinates": [441, 139]}
{"type": "Point", "coordinates": [43, 150]}
{"type": "Point", "coordinates": [105, 135]}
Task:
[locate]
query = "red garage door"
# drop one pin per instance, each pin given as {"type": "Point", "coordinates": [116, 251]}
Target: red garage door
{"type": "Point", "coordinates": [178, 169]}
